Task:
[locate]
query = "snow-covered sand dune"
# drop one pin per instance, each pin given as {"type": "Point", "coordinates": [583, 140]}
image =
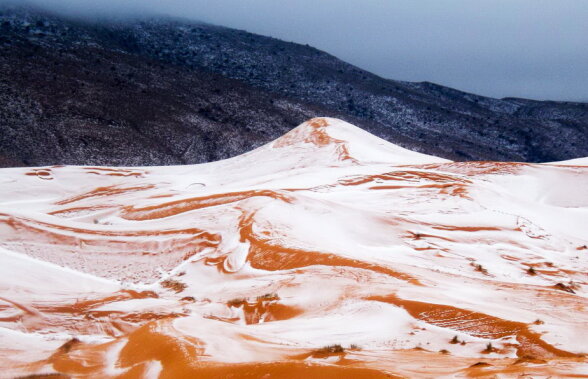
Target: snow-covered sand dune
{"type": "Point", "coordinates": [327, 253]}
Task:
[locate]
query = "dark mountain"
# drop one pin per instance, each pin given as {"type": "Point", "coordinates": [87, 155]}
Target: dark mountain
{"type": "Point", "coordinates": [163, 91]}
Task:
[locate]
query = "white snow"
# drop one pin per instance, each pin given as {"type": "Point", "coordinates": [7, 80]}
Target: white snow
{"type": "Point", "coordinates": [326, 217]}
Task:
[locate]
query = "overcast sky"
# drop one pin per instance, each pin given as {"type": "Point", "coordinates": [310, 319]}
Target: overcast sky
{"type": "Point", "coordinates": [527, 48]}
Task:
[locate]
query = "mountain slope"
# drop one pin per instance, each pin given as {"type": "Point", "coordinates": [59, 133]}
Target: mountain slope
{"type": "Point", "coordinates": [325, 253]}
{"type": "Point", "coordinates": [166, 92]}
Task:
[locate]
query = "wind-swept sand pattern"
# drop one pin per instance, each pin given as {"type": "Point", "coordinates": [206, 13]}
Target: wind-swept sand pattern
{"type": "Point", "coordinates": [326, 253]}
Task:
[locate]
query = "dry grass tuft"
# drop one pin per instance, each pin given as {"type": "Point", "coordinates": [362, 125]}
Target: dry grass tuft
{"type": "Point", "coordinates": [479, 268]}
{"type": "Point", "coordinates": [268, 297]}
{"type": "Point", "coordinates": [489, 348]}
{"type": "Point", "coordinates": [566, 288]}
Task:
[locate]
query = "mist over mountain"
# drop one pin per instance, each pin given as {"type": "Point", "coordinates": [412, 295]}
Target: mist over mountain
{"type": "Point", "coordinates": [156, 91]}
{"type": "Point", "coordinates": [525, 48]}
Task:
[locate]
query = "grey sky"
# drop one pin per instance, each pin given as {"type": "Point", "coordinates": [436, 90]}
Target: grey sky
{"type": "Point", "coordinates": [526, 48]}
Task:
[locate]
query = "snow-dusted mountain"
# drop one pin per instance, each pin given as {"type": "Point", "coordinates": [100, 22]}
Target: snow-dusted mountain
{"type": "Point", "coordinates": [328, 252]}
{"type": "Point", "coordinates": [161, 92]}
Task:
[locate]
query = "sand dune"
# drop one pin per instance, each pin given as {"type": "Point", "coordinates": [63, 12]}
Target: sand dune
{"type": "Point", "coordinates": [326, 253]}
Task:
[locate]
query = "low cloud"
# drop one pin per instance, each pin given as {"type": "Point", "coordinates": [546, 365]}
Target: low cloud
{"type": "Point", "coordinates": [525, 48]}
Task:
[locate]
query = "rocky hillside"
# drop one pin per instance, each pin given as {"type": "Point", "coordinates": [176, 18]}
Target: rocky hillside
{"type": "Point", "coordinates": [162, 91]}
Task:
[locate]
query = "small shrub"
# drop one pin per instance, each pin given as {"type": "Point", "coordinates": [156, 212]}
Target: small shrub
{"type": "Point", "coordinates": [326, 351]}
{"type": "Point", "coordinates": [444, 351]}
{"type": "Point", "coordinates": [531, 271]}
{"type": "Point", "coordinates": [454, 340]}
{"type": "Point", "coordinates": [174, 285]}
{"type": "Point", "coordinates": [538, 322]}
{"type": "Point", "coordinates": [333, 349]}
{"type": "Point", "coordinates": [354, 347]}
{"type": "Point", "coordinates": [489, 348]}
{"type": "Point", "coordinates": [237, 302]}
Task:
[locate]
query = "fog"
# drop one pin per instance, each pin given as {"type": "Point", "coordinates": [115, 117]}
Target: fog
{"type": "Point", "coordinates": [524, 48]}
